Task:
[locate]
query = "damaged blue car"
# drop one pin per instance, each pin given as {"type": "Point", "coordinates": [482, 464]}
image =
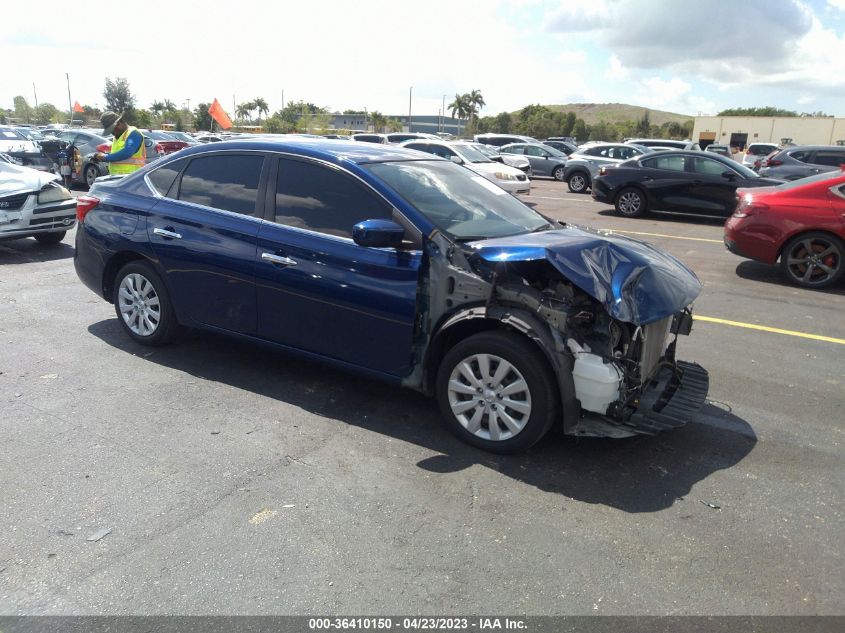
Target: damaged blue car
{"type": "Point", "coordinates": [404, 267]}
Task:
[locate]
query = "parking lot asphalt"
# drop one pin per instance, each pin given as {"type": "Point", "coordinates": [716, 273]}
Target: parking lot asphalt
{"type": "Point", "coordinates": [212, 477]}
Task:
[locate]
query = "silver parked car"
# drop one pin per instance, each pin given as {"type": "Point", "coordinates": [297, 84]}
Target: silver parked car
{"type": "Point", "coordinates": [545, 160]}
{"type": "Point", "coordinates": [34, 204]}
{"type": "Point", "coordinates": [513, 160]}
{"type": "Point", "coordinates": [664, 143]}
{"type": "Point", "coordinates": [801, 161]}
{"type": "Point", "coordinates": [583, 166]}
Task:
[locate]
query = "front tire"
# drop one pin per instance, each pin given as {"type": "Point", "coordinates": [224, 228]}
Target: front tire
{"type": "Point", "coordinates": [143, 305]}
{"type": "Point", "coordinates": [558, 173]}
{"type": "Point", "coordinates": [497, 392]}
{"type": "Point", "coordinates": [50, 239]}
{"type": "Point", "coordinates": [813, 260]}
{"type": "Point", "coordinates": [631, 203]}
{"type": "Point", "coordinates": [578, 182]}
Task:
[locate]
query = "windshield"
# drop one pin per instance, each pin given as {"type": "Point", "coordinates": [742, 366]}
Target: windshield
{"type": "Point", "coordinates": [742, 169]}
{"type": "Point", "coordinates": [11, 135]}
{"type": "Point", "coordinates": [159, 136]}
{"type": "Point", "coordinates": [470, 154]}
{"type": "Point", "coordinates": [181, 136]}
{"type": "Point", "coordinates": [487, 150]}
{"type": "Point", "coordinates": [463, 205]}
{"type": "Point", "coordinates": [32, 135]}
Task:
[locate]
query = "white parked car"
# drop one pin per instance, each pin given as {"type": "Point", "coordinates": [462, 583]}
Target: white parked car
{"type": "Point", "coordinates": [514, 160]}
{"type": "Point", "coordinates": [508, 178]}
{"type": "Point", "coordinates": [756, 153]}
{"type": "Point", "coordinates": [34, 204]}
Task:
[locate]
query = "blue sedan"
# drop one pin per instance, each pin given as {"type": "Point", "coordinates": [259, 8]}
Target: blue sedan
{"type": "Point", "coordinates": [404, 267]}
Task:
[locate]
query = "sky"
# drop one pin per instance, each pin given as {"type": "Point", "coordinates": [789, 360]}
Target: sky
{"type": "Point", "coordinates": [686, 56]}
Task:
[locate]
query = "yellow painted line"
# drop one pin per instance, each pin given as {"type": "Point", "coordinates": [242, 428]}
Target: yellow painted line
{"type": "Point", "coordinates": [671, 237]}
{"type": "Point", "coordinates": [773, 330]}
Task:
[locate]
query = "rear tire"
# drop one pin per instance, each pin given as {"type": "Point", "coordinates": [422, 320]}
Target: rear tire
{"type": "Point", "coordinates": [92, 172]}
{"type": "Point", "coordinates": [578, 182]}
{"type": "Point", "coordinates": [50, 239]}
{"type": "Point", "coordinates": [813, 260]}
{"type": "Point", "coordinates": [631, 203]}
{"type": "Point", "coordinates": [558, 173]}
{"type": "Point", "coordinates": [497, 392]}
{"type": "Point", "coordinates": [143, 306]}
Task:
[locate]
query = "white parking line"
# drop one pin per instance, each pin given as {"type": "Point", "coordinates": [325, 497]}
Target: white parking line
{"type": "Point", "coordinates": [531, 197]}
{"type": "Point", "coordinates": [671, 237]}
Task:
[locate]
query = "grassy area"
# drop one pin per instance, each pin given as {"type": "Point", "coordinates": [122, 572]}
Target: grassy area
{"type": "Point", "coordinates": [592, 113]}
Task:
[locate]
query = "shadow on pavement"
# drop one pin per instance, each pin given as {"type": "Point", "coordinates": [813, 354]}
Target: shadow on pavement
{"type": "Point", "coordinates": [26, 251]}
{"type": "Point", "coordinates": [641, 474]}
{"type": "Point", "coordinates": [758, 271]}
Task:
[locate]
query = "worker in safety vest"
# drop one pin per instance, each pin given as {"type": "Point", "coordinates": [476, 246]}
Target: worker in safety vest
{"type": "Point", "coordinates": [127, 149]}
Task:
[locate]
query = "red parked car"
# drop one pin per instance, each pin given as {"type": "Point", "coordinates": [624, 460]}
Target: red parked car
{"type": "Point", "coordinates": [802, 223]}
{"type": "Point", "coordinates": [168, 143]}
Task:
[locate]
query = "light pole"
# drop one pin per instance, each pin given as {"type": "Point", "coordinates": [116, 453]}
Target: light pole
{"type": "Point", "coordinates": [443, 110]}
{"type": "Point", "coordinates": [410, 96]}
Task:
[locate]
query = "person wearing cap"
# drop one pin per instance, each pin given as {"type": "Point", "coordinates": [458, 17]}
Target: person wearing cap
{"type": "Point", "coordinates": [127, 149]}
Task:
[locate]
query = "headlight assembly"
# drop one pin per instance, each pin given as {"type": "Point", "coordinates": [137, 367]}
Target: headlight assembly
{"type": "Point", "coordinates": [503, 176]}
{"type": "Point", "coordinates": [53, 193]}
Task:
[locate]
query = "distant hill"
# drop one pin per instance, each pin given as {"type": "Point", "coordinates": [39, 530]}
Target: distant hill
{"type": "Point", "coordinates": [592, 113]}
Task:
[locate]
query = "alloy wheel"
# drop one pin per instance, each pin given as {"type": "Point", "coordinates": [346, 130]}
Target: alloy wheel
{"type": "Point", "coordinates": [814, 261]}
{"type": "Point", "coordinates": [630, 203]}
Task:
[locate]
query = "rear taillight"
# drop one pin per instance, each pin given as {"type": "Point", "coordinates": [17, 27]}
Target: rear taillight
{"type": "Point", "coordinates": [602, 171]}
{"type": "Point", "coordinates": [105, 148]}
{"type": "Point", "coordinates": [773, 163]}
{"type": "Point", "coordinates": [748, 152]}
{"type": "Point", "coordinates": [159, 148]}
{"type": "Point", "coordinates": [747, 207]}
{"type": "Point", "coordinates": [84, 204]}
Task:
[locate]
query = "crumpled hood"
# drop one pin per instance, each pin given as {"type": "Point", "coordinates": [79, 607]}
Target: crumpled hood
{"type": "Point", "coordinates": [633, 280]}
{"type": "Point", "coordinates": [15, 178]}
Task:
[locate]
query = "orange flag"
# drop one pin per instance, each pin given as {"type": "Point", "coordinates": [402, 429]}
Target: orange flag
{"type": "Point", "coordinates": [218, 114]}
{"type": "Point", "coordinates": [77, 107]}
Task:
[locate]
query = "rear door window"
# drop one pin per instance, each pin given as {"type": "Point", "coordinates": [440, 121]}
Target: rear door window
{"type": "Point", "coordinates": [531, 150]}
{"type": "Point", "coordinates": [709, 167]}
{"type": "Point", "coordinates": [163, 178]}
{"type": "Point", "coordinates": [326, 200]}
{"type": "Point", "coordinates": [670, 163]}
{"type": "Point", "coordinates": [829, 158]}
{"type": "Point", "coordinates": [224, 182]}
{"type": "Point", "coordinates": [801, 155]}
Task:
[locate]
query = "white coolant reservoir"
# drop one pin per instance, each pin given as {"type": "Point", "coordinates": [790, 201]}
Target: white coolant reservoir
{"type": "Point", "coordinates": [596, 382]}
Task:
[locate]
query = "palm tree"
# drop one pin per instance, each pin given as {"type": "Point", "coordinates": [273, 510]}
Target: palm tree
{"type": "Point", "coordinates": [475, 102]}
{"type": "Point", "coordinates": [169, 105]}
{"type": "Point", "coordinates": [244, 110]}
{"type": "Point", "coordinates": [262, 107]}
{"type": "Point", "coordinates": [157, 107]}
{"type": "Point", "coordinates": [460, 107]}
{"type": "Point", "coordinates": [378, 120]}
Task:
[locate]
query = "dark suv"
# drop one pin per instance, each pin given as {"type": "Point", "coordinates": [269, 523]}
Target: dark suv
{"type": "Point", "coordinates": [801, 161]}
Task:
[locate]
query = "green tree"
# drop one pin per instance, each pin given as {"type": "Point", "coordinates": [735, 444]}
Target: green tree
{"type": "Point", "coordinates": [580, 131]}
{"type": "Point", "coordinates": [644, 125]}
{"type": "Point", "coordinates": [143, 118]}
{"type": "Point", "coordinates": [601, 131]}
{"type": "Point", "coordinates": [759, 111]}
{"type": "Point", "coordinates": [503, 123]}
{"type": "Point", "coordinates": [157, 108]}
{"type": "Point", "coordinates": [118, 96]}
{"type": "Point", "coordinates": [202, 119]}
{"type": "Point", "coordinates": [475, 101]}
{"type": "Point", "coordinates": [23, 112]}
{"type": "Point", "coordinates": [45, 114]}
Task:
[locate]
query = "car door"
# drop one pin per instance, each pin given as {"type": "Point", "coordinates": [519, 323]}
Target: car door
{"type": "Point", "coordinates": [320, 292]}
{"type": "Point", "coordinates": [538, 157]}
{"type": "Point", "coordinates": [827, 160]}
{"type": "Point", "coordinates": [711, 192]}
{"type": "Point", "coordinates": [204, 234]}
{"type": "Point", "coordinates": [665, 180]}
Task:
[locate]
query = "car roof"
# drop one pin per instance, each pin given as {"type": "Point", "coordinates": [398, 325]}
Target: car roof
{"type": "Point", "coordinates": [334, 151]}
{"type": "Point", "coordinates": [810, 147]}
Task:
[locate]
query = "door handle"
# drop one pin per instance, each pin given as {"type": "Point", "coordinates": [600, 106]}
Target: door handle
{"type": "Point", "coordinates": [170, 235]}
{"type": "Point", "coordinates": [278, 259]}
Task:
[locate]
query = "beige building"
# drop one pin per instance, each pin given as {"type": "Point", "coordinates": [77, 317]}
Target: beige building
{"type": "Point", "coordinates": [741, 131]}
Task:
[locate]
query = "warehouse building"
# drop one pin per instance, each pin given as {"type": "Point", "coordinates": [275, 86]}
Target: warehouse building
{"type": "Point", "coordinates": [740, 131]}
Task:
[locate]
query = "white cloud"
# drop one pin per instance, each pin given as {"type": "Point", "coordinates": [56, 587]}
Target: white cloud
{"type": "Point", "coordinates": [673, 95]}
{"type": "Point", "coordinates": [806, 99]}
{"type": "Point", "coordinates": [836, 4]}
{"type": "Point", "coordinates": [577, 16]}
{"type": "Point", "coordinates": [616, 70]}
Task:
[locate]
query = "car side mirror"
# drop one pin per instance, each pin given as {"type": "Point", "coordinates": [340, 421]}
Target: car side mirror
{"type": "Point", "coordinates": [728, 174]}
{"type": "Point", "coordinates": [498, 159]}
{"type": "Point", "coordinates": [378, 234]}
{"type": "Point", "coordinates": [456, 159]}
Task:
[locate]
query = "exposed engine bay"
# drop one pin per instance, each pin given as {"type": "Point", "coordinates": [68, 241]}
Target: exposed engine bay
{"type": "Point", "coordinates": [617, 377]}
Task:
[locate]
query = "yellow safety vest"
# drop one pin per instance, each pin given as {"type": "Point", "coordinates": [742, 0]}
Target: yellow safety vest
{"type": "Point", "coordinates": [127, 165]}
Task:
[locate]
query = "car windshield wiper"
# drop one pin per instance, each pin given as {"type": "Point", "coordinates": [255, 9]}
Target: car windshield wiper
{"type": "Point", "coordinates": [470, 238]}
{"type": "Point", "coordinates": [548, 226]}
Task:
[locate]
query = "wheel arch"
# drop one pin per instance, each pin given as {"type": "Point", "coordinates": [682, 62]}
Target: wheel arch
{"type": "Point", "coordinates": [468, 322]}
{"type": "Point", "coordinates": [118, 261]}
